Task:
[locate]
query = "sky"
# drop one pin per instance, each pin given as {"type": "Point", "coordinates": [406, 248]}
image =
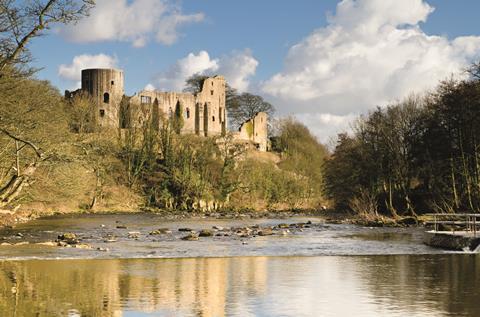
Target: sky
{"type": "Point", "coordinates": [323, 61]}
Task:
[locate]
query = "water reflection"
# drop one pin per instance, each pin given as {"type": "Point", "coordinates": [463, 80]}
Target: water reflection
{"type": "Point", "coordinates": [441, 285]}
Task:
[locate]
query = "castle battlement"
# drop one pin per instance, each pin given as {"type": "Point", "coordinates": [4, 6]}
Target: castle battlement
{"type": "Point", "coordinates": [203, 113]}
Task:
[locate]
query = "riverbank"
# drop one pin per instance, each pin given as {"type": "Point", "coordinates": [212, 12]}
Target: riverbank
{"type": "Point", "coordinates": [13, 218]}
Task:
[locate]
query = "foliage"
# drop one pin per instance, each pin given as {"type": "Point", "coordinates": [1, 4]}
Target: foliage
{"type": "Point", "coordinates": [245, 106]}
{"type": "Point", "coordinates": [240, 107]}
{"type": "Point", "coordinates": [21, 21]}
{"type": "Point", "coordinates": [415, 156]}
{"type": "Point", "coordinates": [82, 111]}
{"type": "Point", "coordinates": [249, 128]}
{"type": "Point", "coordinates": [178, 121]}
{"type": "Point", "coordinates": [194, 84]}
{"type": "Point", "coordinates": [301, 152]}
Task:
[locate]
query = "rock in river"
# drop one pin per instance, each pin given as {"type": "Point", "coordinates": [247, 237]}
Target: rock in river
{"type": "Point", "coordinates": [265, 232]}
{"type": "Point", "coordinates": [160, 231]}
{"type": "Point", "coordinates": [68, 237]}
{"type": "Point", "coordinates": [190, 237]}
{"type": "Point", "coordinates": [206, 233]}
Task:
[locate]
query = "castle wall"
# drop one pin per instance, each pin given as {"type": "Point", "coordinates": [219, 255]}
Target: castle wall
{"type": "Point", "coordinates": [106, 86]}
{"type": "Point", "coordinates": [203, 114]}
{"type": "Point", "coordinates": [255, 130]}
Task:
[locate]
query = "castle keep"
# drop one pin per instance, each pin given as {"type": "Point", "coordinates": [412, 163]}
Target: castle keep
{"type": "Point", "coordinates": [204, 113]}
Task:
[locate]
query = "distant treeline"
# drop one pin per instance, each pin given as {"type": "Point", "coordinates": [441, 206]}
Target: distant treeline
{"type": "Point", "coordinates": [419, 155]}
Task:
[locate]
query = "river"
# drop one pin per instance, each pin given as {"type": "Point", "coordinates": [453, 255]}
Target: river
{"type": "Point", "coordinates": [321, 270]}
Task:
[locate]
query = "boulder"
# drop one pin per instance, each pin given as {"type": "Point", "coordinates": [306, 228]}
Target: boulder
{"type": "Point", "coordinates": [48, 243]}
{"type": "Point", "coordinates": [265, 232]}
{"type": "Point", "coordinates": [408, 221]}
{"type": "Point", "coordinates": [82, 246]}
{"type": "Point", "coordinates": [190, 237]}
{"type": "Point", "coordinates": [68, 237]}
{"type": "Point", "coordinates": [134, 234]}
{"type": "Point", "coordinates": [205, 233]}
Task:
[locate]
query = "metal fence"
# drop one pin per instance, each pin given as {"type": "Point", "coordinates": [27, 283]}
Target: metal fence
{"type": "Point", "coordinates": [456, 222]}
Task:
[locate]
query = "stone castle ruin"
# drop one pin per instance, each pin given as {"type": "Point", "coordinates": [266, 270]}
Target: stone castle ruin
{"type": "Point", "coordinates": [204, 113]}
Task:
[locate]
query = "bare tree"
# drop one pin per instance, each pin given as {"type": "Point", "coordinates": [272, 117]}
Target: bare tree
{"type": "Point", "coordinates": [474, 70]}
{"type": "Point", "coordinates": [245, 106]}
{"type": "Point", "coordinates": [21, 21]}
{"type": "Point", "coordinates": [12, 188]}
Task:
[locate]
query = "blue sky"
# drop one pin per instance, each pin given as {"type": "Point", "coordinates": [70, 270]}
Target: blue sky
{"type": "Point", "coordinates": [312, 82]}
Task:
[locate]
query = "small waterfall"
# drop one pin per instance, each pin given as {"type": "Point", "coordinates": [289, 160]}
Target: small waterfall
{"type": "Point", "coordinates": [477, 249]}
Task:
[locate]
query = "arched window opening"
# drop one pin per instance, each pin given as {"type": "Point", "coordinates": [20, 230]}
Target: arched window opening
{"type": "Point", "coordinates": [106, 97]}
{"type": "Point", "coordinates": [213, 118]}
{"type": "Point", "coordinates": [102, 113]}
{"type": "Point", "coordinates": [188, 113]}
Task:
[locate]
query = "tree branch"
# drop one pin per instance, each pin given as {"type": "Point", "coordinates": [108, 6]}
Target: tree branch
{"type": "Point", "coordinates": [35, 148]}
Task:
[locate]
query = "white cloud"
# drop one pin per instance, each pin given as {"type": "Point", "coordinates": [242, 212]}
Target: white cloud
{"type": "Point", "coordinates": [131, 21]}
{"type": "Point", "coordinates": [72, 72]}
{"type": "Point", "coordinates": [326, 125]}
{"type": "Point", "coordinates": [237, 68]}
{"type": "Point", "coordinates": [149, 87]}
{"type": "Point", "coordinates": [174, 78]}
{"type": "Point", "coordinates": [370, 53]}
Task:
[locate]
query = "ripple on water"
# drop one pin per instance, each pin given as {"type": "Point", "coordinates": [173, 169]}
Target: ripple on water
{"type": "Point", "coordinates": [113, 232]}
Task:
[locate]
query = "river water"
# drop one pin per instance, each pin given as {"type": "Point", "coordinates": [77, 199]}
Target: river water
{"type": "Point", "coordinates": [322, 270]}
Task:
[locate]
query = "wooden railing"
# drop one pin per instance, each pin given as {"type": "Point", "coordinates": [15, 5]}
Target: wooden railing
{"type": "Point", "coordinates": [457, 222]}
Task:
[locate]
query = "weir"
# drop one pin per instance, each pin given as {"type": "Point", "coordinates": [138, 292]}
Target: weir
{"type": "Point", "coordinates": [458, 232]}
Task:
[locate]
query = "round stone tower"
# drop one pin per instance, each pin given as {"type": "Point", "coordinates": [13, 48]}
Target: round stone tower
{"type": "Point", "coordinates": [107, 89]}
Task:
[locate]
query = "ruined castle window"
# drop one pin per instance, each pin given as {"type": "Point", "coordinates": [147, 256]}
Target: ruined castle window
{"type": "Point", "coordinates": [106, 97]}
{"type": "Point", "coordinates": [145, 99]}
{"type": "Point", "coordinates": [188, 113]}
{"type": "Point", "coordinates": [211, 92]}
{"type": "Point", "coordinates": [102, 113]}
{"type": "Point", "coordinates": [112, 83]}
{"type": "Point", "coordinates": [213, 118]}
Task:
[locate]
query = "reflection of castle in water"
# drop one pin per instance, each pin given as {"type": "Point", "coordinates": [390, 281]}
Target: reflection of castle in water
{"type": "Point", "coordinates": [105, 287]}
{"type": "Point", "coordinates": [243, 286]}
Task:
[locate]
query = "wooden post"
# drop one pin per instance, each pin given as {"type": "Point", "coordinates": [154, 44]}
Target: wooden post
{"type": "Point", "coordinates": [474, 226]}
